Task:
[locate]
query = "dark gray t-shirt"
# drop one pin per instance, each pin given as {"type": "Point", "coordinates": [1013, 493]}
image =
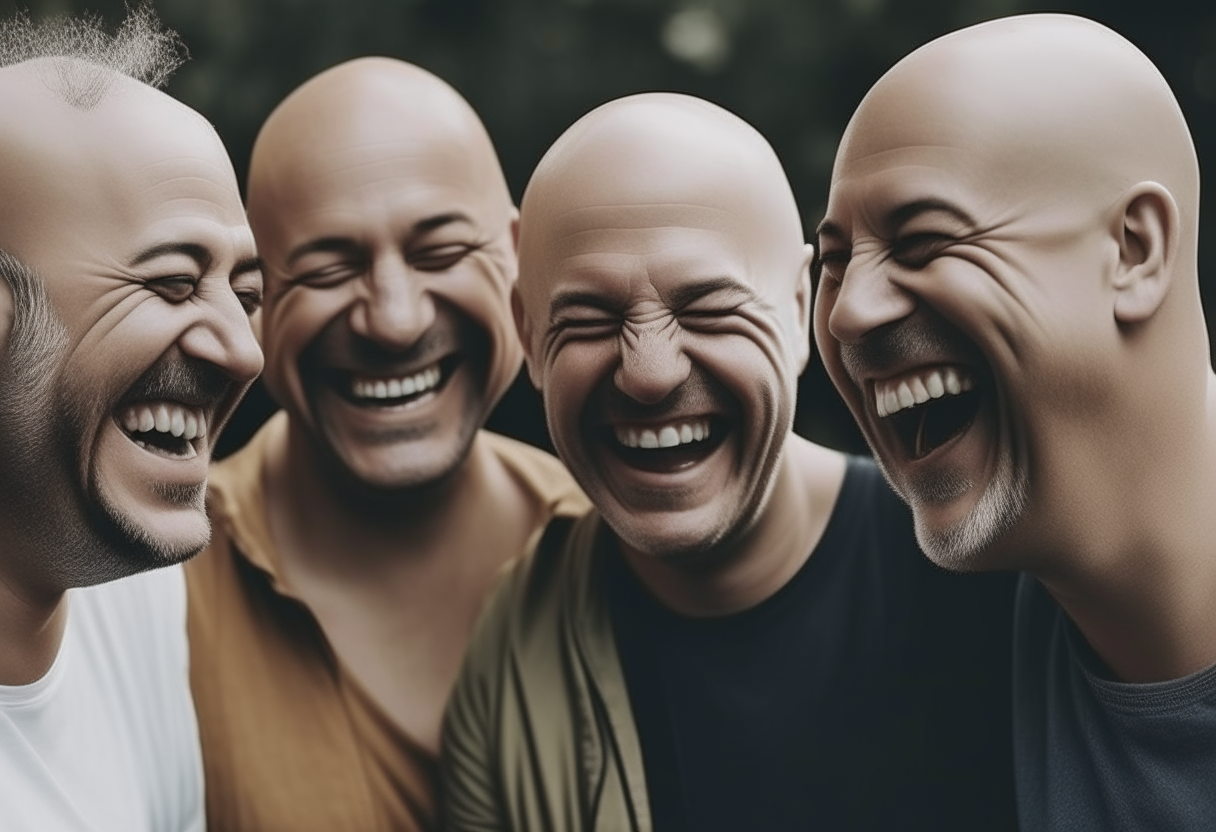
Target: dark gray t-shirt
{"type": "Point", "coordinates": [1095, 754]}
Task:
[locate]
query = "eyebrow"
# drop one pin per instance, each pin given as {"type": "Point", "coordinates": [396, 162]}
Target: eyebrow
{"type": "Point", "coordinates": [572, 297]}
{"type": "Point", "coordinates": [249, 264]}
{"type": "Point", "coordinates": [909, 211]}
{"type": "Point", "coordinates": [198, 253]}
{"type": "Point", "coordinates": [345, 244]}
{"type": "Point", "coordinates": [676, 298]}
{"type": "Point", "coordinates": [902, 215]}
{"type": "Point", "coordinates": [684, 295]}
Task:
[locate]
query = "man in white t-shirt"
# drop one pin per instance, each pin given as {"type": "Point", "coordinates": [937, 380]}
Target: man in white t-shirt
{"type": "Point", "coordinates": [128, 274]}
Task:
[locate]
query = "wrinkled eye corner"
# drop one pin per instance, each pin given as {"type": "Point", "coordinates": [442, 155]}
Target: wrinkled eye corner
{"type": "Point", "coordinates": [251, 301]}
{"type": "Point", "coordinates": [917, 250]}
{"type": "Point", "coordinates": [826, 262]}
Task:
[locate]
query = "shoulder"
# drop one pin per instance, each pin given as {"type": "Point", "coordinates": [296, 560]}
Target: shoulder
{"type": "Point", "coordinates": [540, 474]}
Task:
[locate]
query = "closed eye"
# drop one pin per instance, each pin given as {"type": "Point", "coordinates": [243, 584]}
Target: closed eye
{"type": "Point", "coordinates": [830, 264]}
{"type": "Point", "coordinates": [440, 258]}
{"type": "Point", "coordinates": [174, 288]}
{"type": "Point", "coordinates": [333, 274]}
{"type": "Point", "coordinates": [915, 251]}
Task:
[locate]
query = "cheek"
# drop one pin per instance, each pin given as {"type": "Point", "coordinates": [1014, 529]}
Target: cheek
{"type": "Point", "coordinates": [570, 376]}
{"type": "Point", "coordinates": [289, 325]}
{"type": "Point", "coordinates": [480, 289]}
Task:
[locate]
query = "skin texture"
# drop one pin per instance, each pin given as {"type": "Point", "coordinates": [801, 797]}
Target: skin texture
{"type": "Point", "coordinates": [128, 215]}
{"type": "Point", "coordinates": [1019, 201]}
{"type": "Point", "coordinates": [386, 226]}
{"type": "Point", "coordinates": [664, 282]}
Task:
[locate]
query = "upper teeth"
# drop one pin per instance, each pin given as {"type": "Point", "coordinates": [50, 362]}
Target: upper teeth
{"type": "Point", "coordinates": [665, 436]}
{"type": "Point", "coordinates": [392, 388]}
{"type": "Point", "coordinates": [164, 417]}
{"type": "Point", "coordinates": [918, 387]}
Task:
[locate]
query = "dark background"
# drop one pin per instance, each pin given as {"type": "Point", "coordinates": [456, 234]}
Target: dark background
{"type": "Point", "coordinates": [793, 68]}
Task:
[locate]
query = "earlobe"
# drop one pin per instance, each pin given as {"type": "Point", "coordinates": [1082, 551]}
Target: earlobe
{"type": "Point", "coordinates": [6, 314]}
{"type": "Point", "coordinates": [1147, 233]}
{"type": "Point", "coordinates": [802, 300]}
{"type": "Point", "coordinates": [523, 329]}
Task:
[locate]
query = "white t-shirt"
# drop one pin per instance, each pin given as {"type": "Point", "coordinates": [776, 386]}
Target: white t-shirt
{"type": "Point", "coordinates": [107, 741]}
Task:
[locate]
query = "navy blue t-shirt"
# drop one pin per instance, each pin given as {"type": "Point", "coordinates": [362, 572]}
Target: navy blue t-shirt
{"type": "Point", "coordinates": [871, 692]}
{"type": "Point", "coordinates": [1097, 755]}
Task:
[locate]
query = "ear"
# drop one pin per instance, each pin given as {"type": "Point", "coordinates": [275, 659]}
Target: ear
{"type": "Point", "coordinates": [515, 231]}
{"type": "Point", "coordinates": [1147, 231]}
{"type": "Point", "coordinates": [6, 314]}
{"type": "Point", "coordinates": [523, 328]}
{"type": "Point", "coordinates": [802, 301]}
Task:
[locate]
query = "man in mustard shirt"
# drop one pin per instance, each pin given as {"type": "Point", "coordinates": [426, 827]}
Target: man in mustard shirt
{"type": "Point", "coordinates": [358, 533]}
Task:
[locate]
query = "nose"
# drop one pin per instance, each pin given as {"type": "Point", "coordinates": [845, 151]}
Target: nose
{"type": "Point", "coordinates": [653, 363]}
{"type": "Point", "coordinates": [867, 299]}
{"type": "Point", "coordinates": [396, 308]}
{"type": "Point", "coordinates": [225, 338]}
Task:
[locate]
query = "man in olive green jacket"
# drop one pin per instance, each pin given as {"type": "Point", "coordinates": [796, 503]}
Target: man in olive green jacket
{"type": "Point", "coordinates": [743, 635]}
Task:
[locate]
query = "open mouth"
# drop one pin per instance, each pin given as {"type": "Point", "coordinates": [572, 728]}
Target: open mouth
{"type": "Point", "coordinates": [928, 407]}
{"type": "Point", "coordinates": [666, 446]}
{"type": "Point", "coordinates": [165, 428]}
{"type": "Point", "coordinates": [392, 391]}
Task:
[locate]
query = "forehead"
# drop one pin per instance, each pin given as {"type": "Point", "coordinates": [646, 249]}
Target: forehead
{"type": "Point", "coordinates": [894, 157]}
{"type": "Point", "coordinates": [354, 187]}
{"type": "Point", "coordinates": [624, 252]}
{"type": "Point", "coordinates": [136, 165]}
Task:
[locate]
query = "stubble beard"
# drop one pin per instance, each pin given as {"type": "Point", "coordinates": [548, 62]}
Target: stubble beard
{"type": "Point", "coordinates": [963, 546]}
{"type": "Point", "coordinates": [67, 536]}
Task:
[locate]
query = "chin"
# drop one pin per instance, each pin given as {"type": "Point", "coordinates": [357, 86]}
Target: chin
{"type": "Point", "coordinates": [673, 539]}
{"type": "Point", "coordinates": [143, 539]}
{"type": "Point", "coordinates": [969, 544]}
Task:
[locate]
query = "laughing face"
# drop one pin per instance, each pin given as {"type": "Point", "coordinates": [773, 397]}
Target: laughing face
{"type": "Point", "coordinates": [133, 253]}
{"type": "Point", "coordinates": [386, 228]}
{"type": "Point", "coordinates": [660, 311]}
{"type": "Point", "coordinates": [965, 304]}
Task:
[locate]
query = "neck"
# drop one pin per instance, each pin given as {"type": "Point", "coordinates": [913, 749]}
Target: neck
{"type": "Point", "coordinates": [1138, 575]}
{"type": "Point", "coordinates": [750, 568]}
{"type": "Point", "coordinates": [31, 630]}
{"type": "Point", "coordinates": [318, 526]}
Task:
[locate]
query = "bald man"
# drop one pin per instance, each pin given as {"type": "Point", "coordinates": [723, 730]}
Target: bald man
{"type": "Point", "coordinates": [127, 272]}
{"type": "Point", "coordinates": [359, 532]}
{"type": "Point", "coordinates": [743, 635]}
{"type": "Point", "coordinates": [1010, 305]}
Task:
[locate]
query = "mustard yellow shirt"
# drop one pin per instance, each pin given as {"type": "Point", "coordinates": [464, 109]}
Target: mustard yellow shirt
{"type": "Point", "coordinates": [290, 740]}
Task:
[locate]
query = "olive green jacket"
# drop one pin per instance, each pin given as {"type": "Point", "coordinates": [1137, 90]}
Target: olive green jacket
{"type": "Point", "coordinates": [539, 734]}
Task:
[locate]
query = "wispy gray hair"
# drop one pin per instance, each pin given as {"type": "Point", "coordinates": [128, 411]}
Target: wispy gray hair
{"type": "Point", "coordinates": [86, 58]}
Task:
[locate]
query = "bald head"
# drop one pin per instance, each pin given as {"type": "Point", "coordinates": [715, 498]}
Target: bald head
{"type": "Point", "coordinates": [1012, 228]}
{"type": "Point", "coordinates": [1038, 104]}
{"type": "Point", "coordinates": [660, 153]}
{"type": "Point", "coordinates": [129, 274]}
{"type": "Point", "coordinates": [346, 110]}
{"type": "Point", "coordinates": [664, 305]}
{"type": "Point", "coordinates": [384, 221]}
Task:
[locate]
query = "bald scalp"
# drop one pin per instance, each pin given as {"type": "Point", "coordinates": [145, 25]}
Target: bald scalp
{"type": "Point", "coordinates": [662, 149]}
{"type": "Point", "coordinates": [1057, 104]}
{"type": "Point", "coordinates": [365, 100]}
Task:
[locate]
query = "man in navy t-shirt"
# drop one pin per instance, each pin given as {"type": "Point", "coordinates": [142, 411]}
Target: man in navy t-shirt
{"type": "Point", "coordinates": [1013, 225]}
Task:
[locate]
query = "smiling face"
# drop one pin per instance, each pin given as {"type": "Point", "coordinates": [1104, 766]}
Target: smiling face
{"type": "Point", "coordinates": [661, 298]}
{"type": "Point", "coordinates": [131, 225]}
{"type": "Point", "coordinates": [968, 279]}
{"type": "Point", "coordinates": [385, 224]}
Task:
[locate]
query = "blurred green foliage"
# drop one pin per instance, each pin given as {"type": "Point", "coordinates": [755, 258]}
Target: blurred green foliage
{"type": "Point", "coordinates": [793, 68]}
